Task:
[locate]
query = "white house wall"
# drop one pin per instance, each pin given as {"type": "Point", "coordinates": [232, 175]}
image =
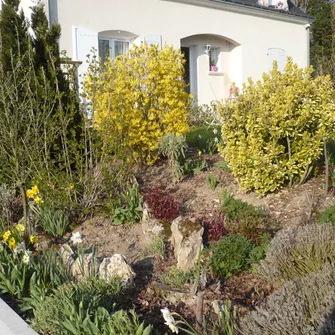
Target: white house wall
{"type": "Point", "coordinates": [252, 34]}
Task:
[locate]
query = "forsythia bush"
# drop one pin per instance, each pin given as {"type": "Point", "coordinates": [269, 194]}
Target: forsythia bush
{"type": "Point", "coordinates": [138, 98]}
{"type": "Point", "coordinates": [274, 131]}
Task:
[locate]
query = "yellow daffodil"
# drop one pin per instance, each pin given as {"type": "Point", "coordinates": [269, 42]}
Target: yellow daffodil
{"type": "Point", "coordinates": [33, 239]}
{"type": "Point", "coordinates": [6, 235]}
{"type": "Point", "coordinates": [70, 187]}
{"type": "Point", "coordinates": [12, 243]}
{"type": "Point", "coordinates": [30, 194]}
{"type": "Point", "coordinates": [38, 200]}
{"type": "Point", "coordinates": [20, 227]}
{"type": "Point", "coordinates": [35, 190]}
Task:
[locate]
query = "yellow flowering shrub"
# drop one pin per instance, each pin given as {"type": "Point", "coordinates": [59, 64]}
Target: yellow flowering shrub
{"type": "Point", "coordinates": [138, 98]}
{"type": "Point", "coordinates": [274, 131]}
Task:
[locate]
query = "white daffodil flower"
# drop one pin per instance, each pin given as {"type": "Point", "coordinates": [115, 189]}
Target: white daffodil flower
{"type": "Point", "coordinates": [215, 131]}
{"type": "Point", "coordinates": [76, 238]}
{"type": "Point", "coordinates": [169, 320]}
{"type": "Point", "coordinates": [26, 257]}
{"type": "Point", "coordinates": [21, 247]}
{"type": "Point", "coordinates": [216, 140]}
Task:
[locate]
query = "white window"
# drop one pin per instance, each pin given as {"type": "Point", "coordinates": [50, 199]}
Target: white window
{"type": "Point", "coordinates": [112, 48]}
{"type": "Point", "coordinates": [214, 59]}
{"type": "Point", "coordinates": [278, 55]}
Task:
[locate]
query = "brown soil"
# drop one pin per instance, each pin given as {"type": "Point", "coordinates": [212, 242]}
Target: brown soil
{"type": "Point", "coordinates": [289, 207]}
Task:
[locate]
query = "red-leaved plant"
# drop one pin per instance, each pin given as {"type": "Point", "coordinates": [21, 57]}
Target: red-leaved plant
{"type": "Point", "coordinates": [214, 227]}
{"type": "Point", "coordinates": [162, 205]}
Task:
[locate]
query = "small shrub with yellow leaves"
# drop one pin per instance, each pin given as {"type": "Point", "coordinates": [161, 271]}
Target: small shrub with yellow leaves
{"type": "Point", "coordinates": [275, 130]}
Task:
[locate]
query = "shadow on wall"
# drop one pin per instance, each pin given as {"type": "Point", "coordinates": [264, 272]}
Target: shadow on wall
{"type": "Point", "coordinates": [53, 11]}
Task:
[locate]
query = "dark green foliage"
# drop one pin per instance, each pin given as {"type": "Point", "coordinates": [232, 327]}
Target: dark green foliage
{"type": "Point", "coordinates": [230, 256]}
{"type": "Point", "coordinates": [259, 252]}
{"type": "Point", "coordinates": [203, 138]}
{"type": "Point", "coordinates": [304, 306]}
{"type": "Point", "coordinates": [194, 166]}
{"type": "Point", "coordinates": [243, 218]}
{"type": "Point", "coordinates": [328, 215]}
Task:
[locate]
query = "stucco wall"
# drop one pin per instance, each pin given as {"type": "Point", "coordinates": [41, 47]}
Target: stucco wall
{"type": "Point", "coordinates": [252, 34]}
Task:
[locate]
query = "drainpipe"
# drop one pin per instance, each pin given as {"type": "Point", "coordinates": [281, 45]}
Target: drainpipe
{"type": "Point", "coordinates": [307, 27]}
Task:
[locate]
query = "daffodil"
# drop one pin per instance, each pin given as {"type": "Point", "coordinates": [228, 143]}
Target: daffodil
{"type": "Point", "coordinates": [21, 247]}
{"type": "Point", "coordinates": [30, 194]}
{"type": "Point", "coordinates": [12, 243]}
{"type": "Point", "coordinates": [6, 235]}
{"type": "Point", "coordinates": [26, 257]}
{"type": "Point", "coordinates": [35, 190]}
{"type": "Point", "coordinates": [70, 187]}
{"type": "Point", "coordinates": [38, 200]}
{"type": "Point", "coordinates": [169, 320]}
{"type": "Point", "coordinates": [20, 227]}
{"type": "Point", "coordinates": [33, 239]}
{"type": "Point", "coordinates": [215, 131]}
{"type": "Point", "coordinates": [76, 238]}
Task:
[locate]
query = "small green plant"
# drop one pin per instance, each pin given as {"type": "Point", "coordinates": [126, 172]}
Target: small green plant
{"type": "Point", "coordinates": [230, 256]}
{"type": "Point", "coordinates": [259, 252]}
{"type": "Point", "coordinates": [158, 246]}
{"type": "Point", "coordinates": [223, 165]}
{"type": "Point", "coordinates": [205, 139]}
{"type": "Point", "coordinates": [194, 166]}
{"type": "Point", "coordinates": [51, 219]}
{"type": "Point", "coordinates": [130, 207]}
{"type": "Point", "coordinates": [176, 277]}
{"type": "Point", "coordinates": [328, 215]}
{"type": "Point", "coordinates": [243, 218]}
{"type": "Point", "coordinates": [212, 181]}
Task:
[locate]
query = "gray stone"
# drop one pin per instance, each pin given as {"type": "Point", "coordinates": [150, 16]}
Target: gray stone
{"type": "Point", "coordinates": [116, 267]}
{"type": "Point", "coordinates": [153, 227]}
{"type": "Point", "coordinates": [172, 295]}
{"type": "Point", "coordinates": [187, 241]}
{"type": "Point", "coordinates": [67, 254]}
{"type": "Point", "coordinates": [82, 266]}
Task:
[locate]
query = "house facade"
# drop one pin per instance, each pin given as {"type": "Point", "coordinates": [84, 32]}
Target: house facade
{"type": "Point", "coordinates": [223, 41]}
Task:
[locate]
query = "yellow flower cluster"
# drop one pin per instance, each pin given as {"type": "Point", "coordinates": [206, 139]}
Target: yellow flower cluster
{"type": "Point", "coordinates": [33, 193]}
{"type": "Point", "coordinates": [33, 239]}
{"type": "Point", "coordinates": [139, 98]}
{"type": "Point", "coordinates": [15, 236]}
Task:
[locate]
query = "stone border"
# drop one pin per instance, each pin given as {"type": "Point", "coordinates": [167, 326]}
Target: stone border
{"type": "Point", "coordinates": [11, 323]}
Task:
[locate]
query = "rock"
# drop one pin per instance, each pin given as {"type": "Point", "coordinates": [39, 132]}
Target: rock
{"type": "Point", "coordinates": [116, 267]}
{"type": "Point", "coordinates": [82, 266]}
{"type": "Point", "coordinates": [187, 241]}
{"type": "Point", "coordinates": [172, 295]}
{"type": "Point", "coordinates": [152, 226]}
{"type": "Point", "coordinates": [67, 255]}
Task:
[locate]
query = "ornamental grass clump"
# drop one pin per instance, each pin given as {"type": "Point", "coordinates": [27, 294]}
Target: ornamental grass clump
{"type": "Point", "coordinates": [304, 306]}
{"type": "Point", "coordinates": [295, 252]}
{"type": "Point", "coordinates": [275, 130]}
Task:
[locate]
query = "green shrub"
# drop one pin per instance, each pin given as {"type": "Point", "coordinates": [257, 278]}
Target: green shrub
{"type": "Point", "coordinates": [270, 140]}
{"type": "Point", "coordinates": [176, 277]}
{"type": "Point", "coordinates": [52, 220]}
{"type": "Point", "coordinates": [243, 218]}
{"type": "Point", "coordinates": [298, 251]}
{"type": "Point", "coordinates": [304, 306]}
{"type": "Point", "coordinates": [259, 252]}
{"type": "Point", "coordinates": [73, 306]}
{"type": "Point", "coordinates": [328, 215]}
{"type": "Point", "coordinates": [230, 256]}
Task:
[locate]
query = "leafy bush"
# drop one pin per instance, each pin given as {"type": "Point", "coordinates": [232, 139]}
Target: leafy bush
{"type": "Point", "coordinates": [74, 306]}
{"type": "Point", "coordinates": [298, 251]}
{"type": "Point", "coordinates": [303, 306]}
{"type": "Point", "coordinates": [162, 205]}
{"type": "Point", "coordinates": [130, 209]}
{"type": "Point", "coordinates": [243, 218]}
{"type": "Point", "coordinates": [176, 277]}
{"type": "Point", "coordinates": [328, 215]}
{"type": "Point", "coordinates": [52, 220]}
{"type": "Point", "coordinates": [230, 256]}
{"type": "Point", "coordinates": [268, 140]}
{"type": "Point", "coordinates": [202, 115]}
{"type": "Point", "coordinates": [259, 252]}
{"type": "Point", "coordinates": [140, 97]}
